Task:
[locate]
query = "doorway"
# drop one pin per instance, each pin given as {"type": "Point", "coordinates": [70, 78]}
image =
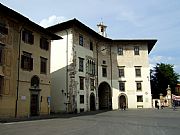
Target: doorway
{"type": "Point", "coordinates": [34, 105]}
{"type": "Point", "coordinates": [123, 102]}
{"type": "Point", "coordinates": [92, 102]}
{"type": "Point", "coordinates": [34, 96]}
{"type": "Point", "coordinates": [105, 96]}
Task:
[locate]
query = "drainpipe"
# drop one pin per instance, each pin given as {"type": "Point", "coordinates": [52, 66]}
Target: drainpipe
{"type": "Point", "coordinates": [67, 104]}
{"type": "Point", "coordinates": [97, 51]}
{"type": "Point", "coordinates": [17, 90]}
{"type": "Point", "coordinates": [111, 75]}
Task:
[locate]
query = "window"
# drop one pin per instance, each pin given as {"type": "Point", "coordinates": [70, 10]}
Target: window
{"type": "Point", "coordinates": [104, 71]}
{"type": "Point", "coordinates": [81, 99]}
{"type": "Point", "coordinates": [138, 86]}
{"type": "Point", "coordinates": [44, 44]}
{"type": "Point", "coordinates": [3, 29]}
{"type": "Point", "coordinates": [136, 50]}
{"type": "Point", "coordinates": [26, 61]}
{"type": "Point", "coordinates": [120, 50]}
{"type": "Point", "coordinates": [92, 84]}
{"type": "Point", "coordinates": [139, 98]}
{"type": "Point", "coordinates": [1, 55]}
{"type": "Point", "coordinates": [81, 83]}
{"type": "Point", "coordinates": [35, 81]}
{"type": "Point", "coordinates": [27, 37]}
{"type": "Point", "coordinates": [104, 62]}
{"type": "Point", "coordinates": [81, 64]}
{"type": "Point", "coordinates": [102, 29]}
{"type": "Point", "coordinates": [122, 86]}
{"type": "Point", "coordinates": [1, 84]}
{"type": "Point", "coordinates": [43, 67]}
{"type": "Point", "coordinates": [91, 45]}
{"type": "Point", "coordinates": [138, 71]}
{"type": "Point", "coordinates": [80, 40]}
{"type": "Point", "coordinates": [90, 67]}
{"type": "Point", "coordinates": [121, 72]}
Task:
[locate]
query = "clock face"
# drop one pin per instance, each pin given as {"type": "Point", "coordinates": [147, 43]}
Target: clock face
{"type": "Point", "coordinates": [103, 50]}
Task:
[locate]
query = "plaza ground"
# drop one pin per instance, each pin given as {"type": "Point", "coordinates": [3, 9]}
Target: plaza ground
{"type": "Point", "coordinates": [118, 122]}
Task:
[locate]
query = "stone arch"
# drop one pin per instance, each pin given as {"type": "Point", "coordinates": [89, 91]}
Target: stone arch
{"type": "Point", "coordinates": [105, 96]}
{"type": "Point", "coordinates": [122, 101]}
{"type": "Point", "coordinates": [35, 81]}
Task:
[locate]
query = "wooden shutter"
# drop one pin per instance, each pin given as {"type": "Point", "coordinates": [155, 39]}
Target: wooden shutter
{"type": "Point", "coordinates": [31, 39]}
{"type": "Point", "coordinates": [3, 30]}
{"type": "Point", "coordinates": [31, 63]}
{"type": "Point", "coordinates": [23, 35]}
{"type": "Point", "coordinates": [22, 61]}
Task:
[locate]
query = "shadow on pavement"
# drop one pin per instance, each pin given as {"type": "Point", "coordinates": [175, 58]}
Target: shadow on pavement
{"type": "Point", "coordinates": [51, 116]}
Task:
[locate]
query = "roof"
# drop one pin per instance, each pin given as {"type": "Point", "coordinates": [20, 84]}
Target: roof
{"type": "Point", "coordinates": [72, 23]}
{"type": "Point", "coordinates": [150, 42]}
{"type": "Point", "coordinates": [24, 20]}
{"type": "Point", "coordinates": [77, 23]}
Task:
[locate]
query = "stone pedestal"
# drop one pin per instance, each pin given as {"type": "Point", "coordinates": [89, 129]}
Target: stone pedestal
{"type": "Point", "coordinates": [169, 97]}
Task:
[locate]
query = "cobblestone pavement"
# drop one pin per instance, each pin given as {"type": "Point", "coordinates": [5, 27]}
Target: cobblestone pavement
{"type": "Point", "coordinates": [129, 122]}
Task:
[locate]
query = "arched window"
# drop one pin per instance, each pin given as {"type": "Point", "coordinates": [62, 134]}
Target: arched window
{"type": "Point", "coordinates": [35, 81]}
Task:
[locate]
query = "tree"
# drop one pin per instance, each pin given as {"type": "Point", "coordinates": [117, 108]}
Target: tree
{"type": "Point", "coordinates": [163, 75]}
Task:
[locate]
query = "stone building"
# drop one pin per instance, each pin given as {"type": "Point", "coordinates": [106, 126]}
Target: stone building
{"type": "Point", "coordinates": [24, 65]}
{"type": "Point", "coordinates": [90, 71]}
{"type": "Point", "coordinates": [177, 89]}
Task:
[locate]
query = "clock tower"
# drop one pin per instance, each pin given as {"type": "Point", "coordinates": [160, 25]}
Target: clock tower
{"type": "Point", "coordinates": [102, 29]}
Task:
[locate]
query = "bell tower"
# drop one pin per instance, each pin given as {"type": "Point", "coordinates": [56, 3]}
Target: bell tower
{"type": "Point", "coordinates": [102, 29]}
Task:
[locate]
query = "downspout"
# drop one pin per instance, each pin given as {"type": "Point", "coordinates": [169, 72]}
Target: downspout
{"type": "Point", "coordinates": [97, 80]}
{"type": "Point", "coordinates": [111, 64]}
{"type": "Point", "coordinates": [17, 90]}
{"type": "Point", "coordinates": [67, 102]}
{"type": "Point", "coordinates": [111, 75]}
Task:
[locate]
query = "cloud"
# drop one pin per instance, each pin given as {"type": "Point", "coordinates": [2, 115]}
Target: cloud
{"type": "Point", "coordinates": [160, 59]}
{"type": "Point", "coordinates": [153, 60]}
{"type": "Point", "coordinates": [52, 20]}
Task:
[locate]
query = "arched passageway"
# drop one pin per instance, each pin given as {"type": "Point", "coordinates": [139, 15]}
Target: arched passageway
{"type": "Point", "coordinates": [105, 96]}
{"type": "Point", "coordinates": [92, 102]}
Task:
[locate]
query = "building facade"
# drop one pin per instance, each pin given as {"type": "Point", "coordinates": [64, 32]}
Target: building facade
{"type": "Point", "coordinates": [90, 71]}
{"type": "Point", "coordinates": [24, 66]}
{"type": "Point", "coordinates": [177, 89]}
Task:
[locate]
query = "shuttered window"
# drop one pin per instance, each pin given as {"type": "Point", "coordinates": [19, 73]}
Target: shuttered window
{"type": "Point", "coordinates": [43, 65]}
{"type": "Point", "coordinates": [44, 44]}
{"type": "Point", "coordinates": [3, 29]}
{"type": "Point", "coordinates": [27, 37]}
{"type": "Point", "coordinates": [1, 84]}
{"type": "Point", "coordinates": [26, 61]}
{"type": "Point", "coordinates": [1, 55]}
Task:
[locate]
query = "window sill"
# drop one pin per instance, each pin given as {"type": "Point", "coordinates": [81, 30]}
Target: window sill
{"type": "Point", "coordinates": [26, 69]}
{"type": "Point", "coordinates": [139, 90]}
{"type": "Point", "coordinates": [122, 90]}
{"type": "Point", "coordinates": [43, 73]}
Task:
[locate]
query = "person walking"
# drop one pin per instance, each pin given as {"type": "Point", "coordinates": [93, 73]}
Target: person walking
{"type": "Point", "coordinates": [124, 106]}
{"type": "Point", "coordinates": [174, 106]}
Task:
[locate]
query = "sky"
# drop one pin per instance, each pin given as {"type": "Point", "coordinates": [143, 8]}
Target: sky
{"type": "Point", "coordinates": [125, 19]}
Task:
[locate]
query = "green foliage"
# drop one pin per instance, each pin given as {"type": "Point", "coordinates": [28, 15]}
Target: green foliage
{"type": "Point", "coordinates": [163, 75]}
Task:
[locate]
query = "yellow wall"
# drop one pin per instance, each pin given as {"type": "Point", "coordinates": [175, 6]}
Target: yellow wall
{"type": "Point", "coordinates": [10, 71]}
